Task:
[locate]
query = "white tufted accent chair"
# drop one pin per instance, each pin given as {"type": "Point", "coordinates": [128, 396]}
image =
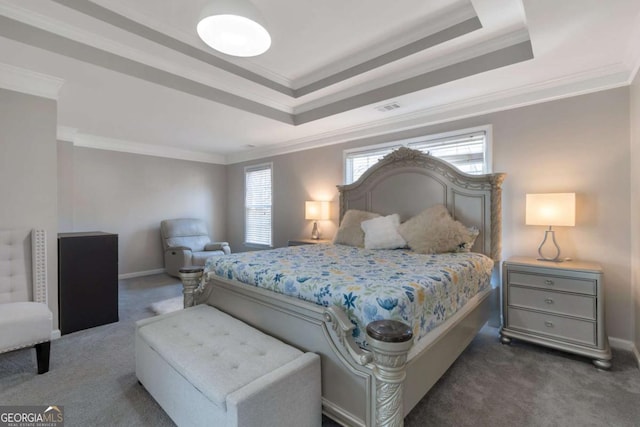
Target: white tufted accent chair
{"type": "Point", "coordinates": [25, 318]}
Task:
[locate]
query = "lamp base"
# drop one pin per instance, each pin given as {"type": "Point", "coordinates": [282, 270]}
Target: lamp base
{"type": "Point", "coordinates": [550, 260]}
{"type": "Point", "coordinates": [315, 233]}
{"type": "Point", "coordinates": [554, 247]}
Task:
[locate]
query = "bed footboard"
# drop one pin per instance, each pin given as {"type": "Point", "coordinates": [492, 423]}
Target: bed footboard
{"type": "Point", "coordinates": [389, 342]}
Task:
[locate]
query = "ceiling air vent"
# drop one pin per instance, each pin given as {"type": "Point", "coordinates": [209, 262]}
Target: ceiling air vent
{"type": "Point", "coordinates": [388, 107]}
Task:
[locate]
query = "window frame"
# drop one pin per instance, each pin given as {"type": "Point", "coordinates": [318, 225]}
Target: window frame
{"type": "Point", "coordinates": [488, 152]}
{"type": "Point", "coordinates": [255, 168]}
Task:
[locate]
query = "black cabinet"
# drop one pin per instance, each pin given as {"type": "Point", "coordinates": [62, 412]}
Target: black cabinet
{"type": "Point", "coordinates": [87, 280]}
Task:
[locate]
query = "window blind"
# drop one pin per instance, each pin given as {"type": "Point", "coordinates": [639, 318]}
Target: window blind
{"type": "Point", "coordinates": [357, 163]}
{"type": "Point", "coordinates": [258, 190]}
{"type": "Point", "coordinates": [467, 152]}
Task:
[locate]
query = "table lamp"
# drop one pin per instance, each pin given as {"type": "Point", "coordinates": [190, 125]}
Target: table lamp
{"type": "Point", "coordinates": [316, 211]}
{"type": "Point", "coordinates": [551, 209]}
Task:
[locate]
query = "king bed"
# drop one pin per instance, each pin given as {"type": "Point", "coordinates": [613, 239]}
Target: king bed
{"type": "Point", "coordinates": [320, 298]}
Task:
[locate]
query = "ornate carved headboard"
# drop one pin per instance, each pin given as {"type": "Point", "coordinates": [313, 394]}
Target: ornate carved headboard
{"type": "Point", "coordinates": [408, 181]}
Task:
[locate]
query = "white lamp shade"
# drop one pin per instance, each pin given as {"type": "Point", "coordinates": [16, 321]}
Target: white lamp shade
{"type": "Point", "coordinates": [234, 27]}
{"type": "Point", "coordinates": [550, 209]}
{"type": "Point", "coordinates": [316, 211]}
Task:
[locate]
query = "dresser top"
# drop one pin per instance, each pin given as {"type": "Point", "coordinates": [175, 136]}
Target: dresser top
{"type": "Point", "coordinates": [565, 265]}
{"type": "Point", "coordinates": [84, 234]}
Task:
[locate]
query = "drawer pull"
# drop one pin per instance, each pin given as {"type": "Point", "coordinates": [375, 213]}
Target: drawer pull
{"type": "Point", "coordinates": [548, 300]}
{"type": "Point", "coordinates": [548, 324]}
{"type": "Point", "coordinates": [548, 282]}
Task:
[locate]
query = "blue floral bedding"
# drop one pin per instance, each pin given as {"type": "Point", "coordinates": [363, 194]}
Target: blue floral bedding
{"type": "Point", "coordinates": [419, 290]}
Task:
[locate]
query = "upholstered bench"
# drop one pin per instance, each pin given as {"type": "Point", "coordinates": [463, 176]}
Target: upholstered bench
{"type": "Point", "coordinates": [206, 368]}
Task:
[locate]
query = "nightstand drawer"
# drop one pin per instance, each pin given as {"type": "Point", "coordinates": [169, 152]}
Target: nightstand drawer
{"type": "Point", "coordinates": [580, 331]}
{"type": "Point", "coordinates": [580, 286]}
{"type": "Point", "coordinates": [553, 302]}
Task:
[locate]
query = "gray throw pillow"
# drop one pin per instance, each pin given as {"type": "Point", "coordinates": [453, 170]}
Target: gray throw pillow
{"type": "Point", "coordinates": [350, 233]}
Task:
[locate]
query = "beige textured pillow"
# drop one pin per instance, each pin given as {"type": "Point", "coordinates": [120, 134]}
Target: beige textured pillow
{"type": "Point", "coordinates": [433, 231]}
{"type": "Point", "coordinates": [350, 233]}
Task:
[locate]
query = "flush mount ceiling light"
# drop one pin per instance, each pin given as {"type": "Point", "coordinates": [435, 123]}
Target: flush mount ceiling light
{"type": "Point", "coordinates": [234, 27]}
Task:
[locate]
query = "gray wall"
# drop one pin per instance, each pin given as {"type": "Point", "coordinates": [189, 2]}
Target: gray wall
{"type": "Point", "coordinates": [28, 166]}
{"type": "Point", "coordinates": [306, 175]}
{"type": "Point", "coordinates": [635, 206]}
{"type": "Point", "coordinates": [129, 194]}
{"type": "Point", "coordinates": [579, 144]}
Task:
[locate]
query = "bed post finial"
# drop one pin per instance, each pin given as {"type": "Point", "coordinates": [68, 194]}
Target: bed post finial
{"type": "Point", "coordinates": [191, 279]}
{"type": "Point", "coordinates": [390, 341]}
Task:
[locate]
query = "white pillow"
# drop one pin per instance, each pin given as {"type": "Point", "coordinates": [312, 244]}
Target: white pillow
{"type": "Point", "coordinates": [382, 233]}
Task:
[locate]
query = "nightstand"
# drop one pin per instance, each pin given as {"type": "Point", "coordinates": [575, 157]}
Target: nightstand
{"type": "Point", "coordinates": [558, 305]}
{"type": "Point", "coordinates": [300, 242]}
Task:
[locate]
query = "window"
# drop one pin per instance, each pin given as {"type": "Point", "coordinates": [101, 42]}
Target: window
{"type": "Point", "coordinates": [357, 162]}
{"type": "Point", "coordinates": [468, 150]}
{"type": "Point", "coordinates": [257, 203]}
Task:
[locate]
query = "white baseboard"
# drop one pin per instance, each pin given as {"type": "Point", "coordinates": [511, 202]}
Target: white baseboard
{"type": "Point", "coordinates": [141, 273]}
{"type": "Point", "coordinates": [55, 334]}
{"type": "Point", "coordinates": [621, 344]}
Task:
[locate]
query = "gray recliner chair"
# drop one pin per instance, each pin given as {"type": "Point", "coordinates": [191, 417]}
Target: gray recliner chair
{"type": "Point", "coordinates": [186, 242]}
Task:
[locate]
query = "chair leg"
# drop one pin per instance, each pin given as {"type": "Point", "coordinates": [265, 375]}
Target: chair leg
{"type": "Point", "coordinates": [42, 355]}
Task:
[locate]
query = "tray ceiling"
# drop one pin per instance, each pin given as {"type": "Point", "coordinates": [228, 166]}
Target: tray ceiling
{"type": "Point", "coordinates": [137, 78]}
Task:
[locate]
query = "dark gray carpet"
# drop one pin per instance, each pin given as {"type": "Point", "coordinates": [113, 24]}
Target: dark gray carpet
{"type": "Point", "coordinates": [92, 375]}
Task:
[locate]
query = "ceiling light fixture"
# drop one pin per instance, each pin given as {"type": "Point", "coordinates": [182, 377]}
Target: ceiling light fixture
{"type": "Point", "coordinates": [234, 27]}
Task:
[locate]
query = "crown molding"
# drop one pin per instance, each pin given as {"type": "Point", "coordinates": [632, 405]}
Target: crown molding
{"type": "Point", "coordinates": [29, 82]}
{"type": "Point", "coordinates": [493, 44]}
{"type": "Point", "coordinates": [66, 133]}
{"type": "Point", "coordinates": [632, 54]}
{"type": "Point", "coordinates": [440, 23]}
{"type": "Point", "coordinates": [603, 78]}
{"type": "Point", "coordinates": [609, 77]}
{"type": "Point", "coordinates": [132, 147]}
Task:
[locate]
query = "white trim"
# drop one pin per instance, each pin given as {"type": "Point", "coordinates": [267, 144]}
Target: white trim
{"type": "Point", "coordinates": [433, 64]}
{"type": "Point", "coordinates": [111, 144]}
{"type": "Point", "coordinates": [632, 55]}
{"type": "Point", "coordinates": [621, 344]}
{"type": "Point", "coordinates": [29, 82]}
{"type": "Point", "coordinates": [56, 334]}
{"type": "Point", "coordinates": [461, 13]}
{"type": "Point", "coordinates": [66, 133]}
{"type": "Point", "coordinates": [141, 273]}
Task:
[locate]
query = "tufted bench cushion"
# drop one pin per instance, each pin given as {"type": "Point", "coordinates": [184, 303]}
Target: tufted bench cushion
{"type": "Point", "coordinates": [221, 358]}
